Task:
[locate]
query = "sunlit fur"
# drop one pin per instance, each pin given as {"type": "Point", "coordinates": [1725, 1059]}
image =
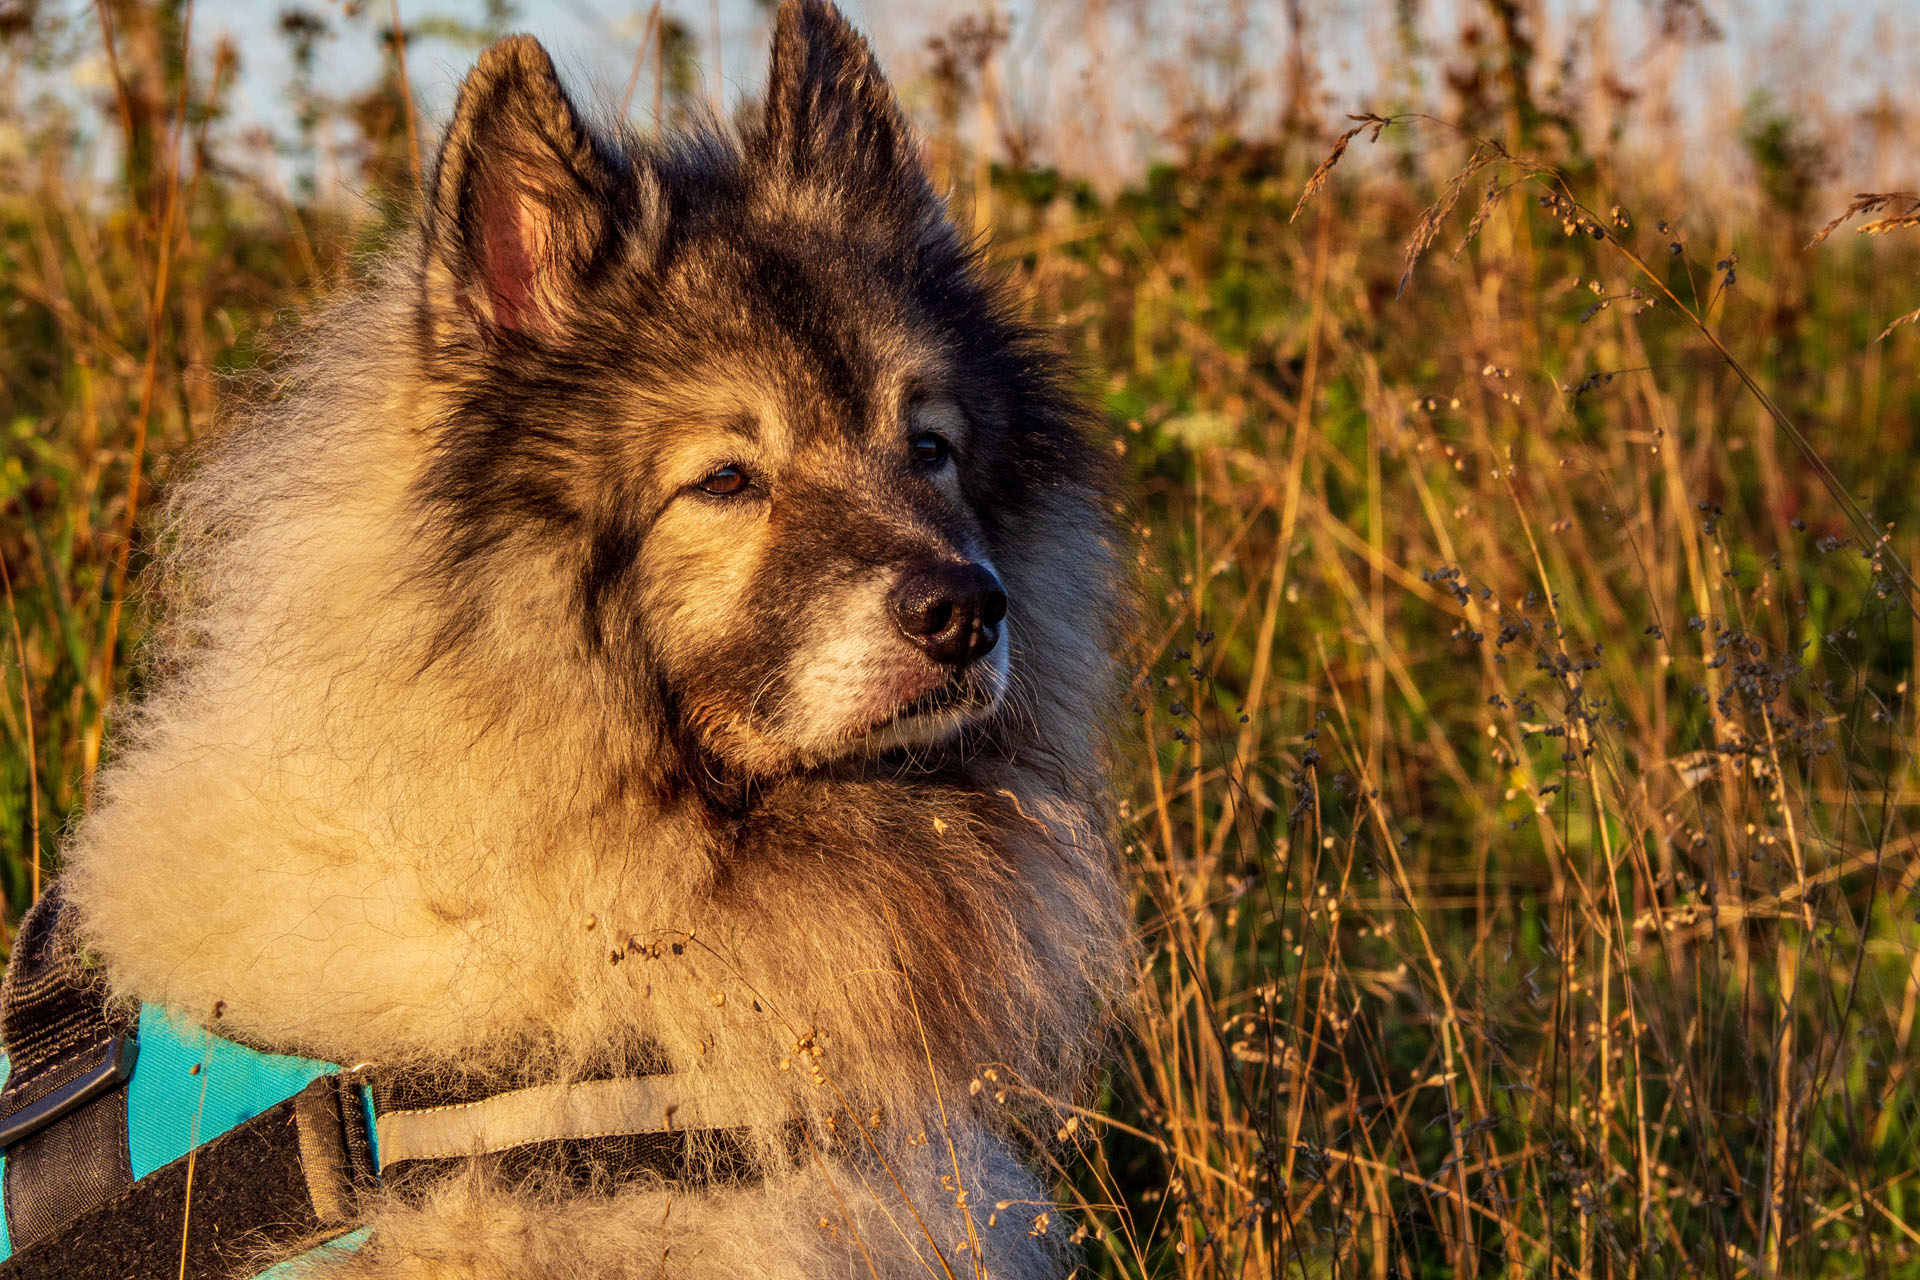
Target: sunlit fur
{"type": "Point", "coordinates": [478, 737]}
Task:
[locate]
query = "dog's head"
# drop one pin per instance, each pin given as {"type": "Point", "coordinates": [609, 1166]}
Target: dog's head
{"type": "Point", "coordinates": [754, 402]}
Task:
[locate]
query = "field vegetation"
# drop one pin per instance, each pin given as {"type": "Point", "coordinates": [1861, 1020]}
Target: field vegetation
{"type": "Point", "coordinates": [1519, 785]}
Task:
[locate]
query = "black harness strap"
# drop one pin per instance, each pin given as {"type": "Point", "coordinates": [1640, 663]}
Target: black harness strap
{"type": "Point", "coordinates": [699, 1156]}
{"type": "Point", "coordinates": [289, 1179]}
{"type": "Point", "coordinates": [601, 1164]}
{"type": "Point", "coordinates": [63, 1113]}
{"type": "Point", "coordinates": [250, 1205]}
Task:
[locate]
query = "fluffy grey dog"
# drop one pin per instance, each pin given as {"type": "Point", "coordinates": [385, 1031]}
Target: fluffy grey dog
{"type": "Point", "coordinates": [663, 623]}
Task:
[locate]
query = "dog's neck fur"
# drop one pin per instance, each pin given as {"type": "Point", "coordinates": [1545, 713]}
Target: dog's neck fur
{"type": "Point", "coordinates": [358, 847]}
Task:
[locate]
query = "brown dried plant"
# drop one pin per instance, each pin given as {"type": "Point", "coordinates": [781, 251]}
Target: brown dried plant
{"type": "Point", "coordinates": [1902, 211]}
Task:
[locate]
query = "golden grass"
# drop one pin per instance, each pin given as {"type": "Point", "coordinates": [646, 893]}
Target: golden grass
{"type": "Point", "coordinates": [1521, 802]}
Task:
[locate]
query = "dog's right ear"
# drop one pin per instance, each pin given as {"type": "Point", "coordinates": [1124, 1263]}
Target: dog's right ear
{"type": "Point", "coordinates": [523, 198]}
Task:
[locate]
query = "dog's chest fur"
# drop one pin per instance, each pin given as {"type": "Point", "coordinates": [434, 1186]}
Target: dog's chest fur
{"type": "Point", "coordinates": [444, 764]}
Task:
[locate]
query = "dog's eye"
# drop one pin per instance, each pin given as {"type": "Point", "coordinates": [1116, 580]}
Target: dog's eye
{"type": "Point", "coordinates": [930, 449]}
{"type": "Point", "coordinates": [725, 482]}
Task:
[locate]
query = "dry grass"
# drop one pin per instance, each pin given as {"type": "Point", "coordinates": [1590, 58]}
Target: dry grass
{"type": "Point", "coordinates": [1522, 804]}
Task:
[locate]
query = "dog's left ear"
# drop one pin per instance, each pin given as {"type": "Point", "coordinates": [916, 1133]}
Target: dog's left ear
{"type": "Point", "coordinates": [523, 197]}
{"type": "Point", "coordinates": [832, 121]}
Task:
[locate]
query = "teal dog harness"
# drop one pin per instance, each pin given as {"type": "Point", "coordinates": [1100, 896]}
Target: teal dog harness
{"type": "Point", "coordinates": [144, 1145]}
{"type": "Point", "coordinates": [185, 1088]}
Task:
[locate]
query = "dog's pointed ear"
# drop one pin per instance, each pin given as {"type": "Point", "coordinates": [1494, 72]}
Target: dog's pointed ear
{"type": "Point", "coordinates": [832, 120]}
{"type": "Point", "coordinates": [523, 197]}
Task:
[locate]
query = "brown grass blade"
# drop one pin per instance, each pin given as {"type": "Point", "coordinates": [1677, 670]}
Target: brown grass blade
{"type": "Point", "coordinates": [1318, 178]}
{"type": "Point", "coordinates": [1435, 214]}
{"type": "Point", "coordinates": [1908, 318]}
{"type": "Point", "coordinates": [1880, 226]}
{"type": "Point", "coordinates": [1869, 202]}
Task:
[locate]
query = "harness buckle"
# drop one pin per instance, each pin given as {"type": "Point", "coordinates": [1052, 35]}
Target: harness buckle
{"type": "Point", "coordinates": [114, 1066]}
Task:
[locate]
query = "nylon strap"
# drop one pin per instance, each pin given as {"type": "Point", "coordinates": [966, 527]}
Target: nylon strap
{"type": "Point", "coordinates": [301, 1172]}
{"type": "Point", "coordinates": [68, 1058]}
{"type": "Point", "coordinates": [591, 1135]}
{"type": "Point", "coordinates": [289, 1180]}
{"type": "Point", "coordinates": [252, 1203]}
{"type": "Point", "coordinates": [519, 1117]}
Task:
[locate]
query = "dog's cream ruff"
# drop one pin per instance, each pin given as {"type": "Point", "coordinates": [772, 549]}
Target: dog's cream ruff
{"type": "Point", "coordinates": [323, 833]}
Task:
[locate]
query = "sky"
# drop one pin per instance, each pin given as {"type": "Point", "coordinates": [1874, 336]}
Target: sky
{"type": "Point", "coordinates": [593, 41]}
{"type": "Point", "coordinates": [1836, 56]}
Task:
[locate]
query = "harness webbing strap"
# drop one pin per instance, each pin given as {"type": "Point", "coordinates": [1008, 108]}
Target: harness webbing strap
{"type": "Point", "coordinates": [593, 1135]}
{"type": "Point", "coordinates": [692, 1158]}
{"type": "Point", "coordinates": [250, 1198]}
{"type": "Point", "coordinates": [336, 1159]}
{"type": "Point", "coordinates": [293, 1177]}
{"type": "Point", "coordinates": [266, 1180]}
{"type": "Point", "coordinates": [541, 1113]}
{"type": "Point", "coordinates": [63, 1112]}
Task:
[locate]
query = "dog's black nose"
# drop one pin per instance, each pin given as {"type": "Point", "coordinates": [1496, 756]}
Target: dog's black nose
{"type": "Point", "coordinates": [953, 611]}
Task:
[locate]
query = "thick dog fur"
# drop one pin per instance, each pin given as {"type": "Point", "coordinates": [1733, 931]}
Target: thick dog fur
{"type": "Point", "coordinates": [481, 736]}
